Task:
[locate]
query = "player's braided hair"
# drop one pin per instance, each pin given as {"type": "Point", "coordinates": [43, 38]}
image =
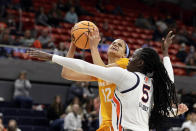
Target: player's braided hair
{"type": "Point", "coordinates": [163, 88]}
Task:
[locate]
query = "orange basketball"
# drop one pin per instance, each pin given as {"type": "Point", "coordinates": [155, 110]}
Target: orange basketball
{"type": "Point", "coordinates": [78, 36]}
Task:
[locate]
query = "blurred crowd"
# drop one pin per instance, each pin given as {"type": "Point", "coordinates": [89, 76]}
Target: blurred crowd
{"type": "Point", "coordinates": [80, 111]}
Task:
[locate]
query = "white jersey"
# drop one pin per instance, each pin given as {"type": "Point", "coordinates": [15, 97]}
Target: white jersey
{"type": "Point", "coordinates": [133, 95]}
{"type": "Point", "coordinates": [131, 107]}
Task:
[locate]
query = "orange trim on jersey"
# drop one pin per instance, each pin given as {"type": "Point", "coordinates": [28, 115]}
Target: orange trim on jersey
{"type": "Point", "coordinates": [146, 79]}
{"type": "Point", "coordinates": [118, 111]}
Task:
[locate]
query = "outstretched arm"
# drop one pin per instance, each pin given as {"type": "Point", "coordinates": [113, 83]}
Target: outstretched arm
{"type": "Point", "coordinates": [182, 108]}
{"type": "Point", "coordinates": [70, 74]}
{"type": "Point", "coordinates": [109, 74]}
{"type": "Point", "coordinates": [112, 74]}
{"type": "Point", "coordinates": [166, 60]}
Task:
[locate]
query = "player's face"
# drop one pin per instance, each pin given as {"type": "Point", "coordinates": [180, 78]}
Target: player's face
{"type": "Point", "coordinates": [117, 48]}
{"type": "Point", "coordinates": [135, 62]}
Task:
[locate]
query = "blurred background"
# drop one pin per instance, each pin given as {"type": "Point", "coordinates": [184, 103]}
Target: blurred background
{"type": "Point", "coordinates": [34, 97]}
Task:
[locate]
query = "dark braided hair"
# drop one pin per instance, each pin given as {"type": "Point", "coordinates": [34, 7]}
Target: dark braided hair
{"type": "Point", "coordinates": [163, 88]}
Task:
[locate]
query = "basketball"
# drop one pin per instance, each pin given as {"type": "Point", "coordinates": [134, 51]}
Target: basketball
{"type": "Point", "coordinates": [78, 36]}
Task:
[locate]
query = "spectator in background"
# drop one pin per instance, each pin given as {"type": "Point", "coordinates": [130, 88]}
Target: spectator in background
{"type": "Point", "coordinates": [100, 7]}
{"type": "Point", "coordinates": [2, 128]}
{"type": "Point", "coordinates": [75, 100]}
{"type": "Point", "coordinates": [190, 55]}
{"type": "Point", "coordinates": [54, 16]}
{"type": "Point", "coordinates": [76, 90]}
{"type": "Point", "coordinates": [68, 5]}
{"type": "Point", "coordinates": [169, 20]}
{"type": "Point", "coordinates": [191, 61]}
{"type": "Point", "coordinates": [181, 36]}
{"type": "Point", "coordinates": [73, 121]}
{"type": "Point", "coordinates": [89, 92]}
{"type": "Point", "coordinates": [71, 16]}
{"type": "Point", "coordinates": [142, 22]}
{"type": "Point", "coordinates": [79, 10]}
{"type": "Point", "coordinates": [5, 37]}
{"type": "Point", "coordinates": [61, 5]}
{"type": "Point", "coordinates": [62, 49]}
{"type": "Point", "coordinates": [11, 24]}
{"type": "Point", "coordinates": [46, 40]}
{"type": "Point", "coordinates": [190, 124]}
{"type": "Point", "coordinates": [21, 92]}
{"type": "Point", "coordinates": [182, 54]}
{"type": "Point", "coordinates": [27, 40]}
{"type": "Point", "coordinates": [161, 25]}
{"type": "Point", "coordinates": [56, 114]}
{"type": "Point", "coordinates": [108, 31]}
{"type": "Point", "coordinates": [42, 18]}
{"type": "Point", "coordinates": [146, 44]}
{"type": "Point", "coordinates": [12, 126]}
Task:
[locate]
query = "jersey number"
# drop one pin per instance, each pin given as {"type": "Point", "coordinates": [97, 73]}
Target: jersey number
{"type": "Point", "coordinates": [145, 93]}
{"type": "Point", "coordinates": [106, 92]}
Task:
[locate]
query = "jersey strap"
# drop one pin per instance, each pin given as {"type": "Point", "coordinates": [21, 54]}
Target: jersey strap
{"type": "Point", "coordinates": [130, 89]}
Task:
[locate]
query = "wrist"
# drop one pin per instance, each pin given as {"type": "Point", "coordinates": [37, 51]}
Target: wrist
{"type": "Point", "coordinates": [50, 57]}
{"type": "Point", "coordinates": [93, 48]}
{"type": "Point", "coordinates": [165, 54]}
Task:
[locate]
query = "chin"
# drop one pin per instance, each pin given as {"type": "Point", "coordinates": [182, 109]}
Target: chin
{"type": "Point", "coordinates": [113, 53]}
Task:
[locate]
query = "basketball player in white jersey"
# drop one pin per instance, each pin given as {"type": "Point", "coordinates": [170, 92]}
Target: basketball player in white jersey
{"type": "Point", "coordinates": [144, 91]}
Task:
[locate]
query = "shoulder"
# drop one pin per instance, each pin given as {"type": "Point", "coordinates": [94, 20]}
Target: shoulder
{"type": "Point", "coordinates": [122, 62]}
{"type": "Point", "coordinates": [186, 123]}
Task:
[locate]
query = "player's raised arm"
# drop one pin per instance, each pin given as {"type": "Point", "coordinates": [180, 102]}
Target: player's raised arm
{"type": "Point", "coordinates": [70, 74]}
{"type": "Point", "coordinates": [94, 39]}
{"type": "Point", "coordinates": [166, 60]}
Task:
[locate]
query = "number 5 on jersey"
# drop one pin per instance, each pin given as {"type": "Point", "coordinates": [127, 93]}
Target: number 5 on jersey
{"type": "Point", "coordinates": [107, 92]}
{"type": "Point", "coordinates": [145, 97]}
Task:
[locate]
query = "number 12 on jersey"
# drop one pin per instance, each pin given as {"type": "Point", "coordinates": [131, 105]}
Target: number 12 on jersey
{"type": "Point", "coordinates": [145, 96]}
{"type": "Point", "coordinates": [107, 92]}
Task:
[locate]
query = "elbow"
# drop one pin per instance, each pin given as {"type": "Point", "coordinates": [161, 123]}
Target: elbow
{"type": "Point", "coordinates": [66, 76]}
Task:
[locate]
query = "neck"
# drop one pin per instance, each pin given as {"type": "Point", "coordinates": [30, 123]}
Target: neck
{"type": "Point", "coordinates": [112, 59]}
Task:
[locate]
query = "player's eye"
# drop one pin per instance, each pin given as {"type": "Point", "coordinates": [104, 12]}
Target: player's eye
{"type": "Point", "coordinates": [119, 45]}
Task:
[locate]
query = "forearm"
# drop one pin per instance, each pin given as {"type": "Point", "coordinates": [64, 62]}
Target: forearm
{"type": "Point", "coordinates": [96, 57]}
{"type": "Point", "coordinates": [168, 67]}
{"type": "Point", "coordinates": [66, 72]}
{"type": "Point", "coordinates": [165, 52]}
{"type": "Point", "coordinates": [73, 75]}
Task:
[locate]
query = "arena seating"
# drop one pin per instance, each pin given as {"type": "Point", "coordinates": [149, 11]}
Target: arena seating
{"type": "Point", "coordinates": [123, 26]}
{"type": "Point", "coordinates": [27, 119]}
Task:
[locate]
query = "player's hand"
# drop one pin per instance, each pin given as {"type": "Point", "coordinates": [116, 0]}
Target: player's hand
{"type": "Point", "coordinates": [94, 38]}
{"type": "Point", "coordinates": [182, 108]}
{"type": "Point", "coordinates": [39, 54]}
{"type": "Point", "coordinates": [167, 42]}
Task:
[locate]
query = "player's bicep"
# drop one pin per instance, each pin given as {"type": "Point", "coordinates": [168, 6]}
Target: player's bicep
{"type": "Point", "coordinates": [75, 76]}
